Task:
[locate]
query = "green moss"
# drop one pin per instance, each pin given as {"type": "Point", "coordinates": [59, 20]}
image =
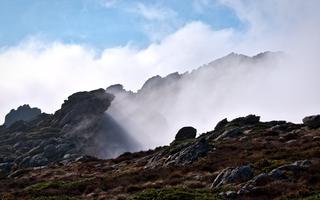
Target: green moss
{"type": "Point", "coordinates": [37, 187]}
{"type": "Point", "coordinates": [57, 198]}
{"type": "Point", "coordinates": [315, 195]}
{"type": "Point", "coordinates": [174, 194]}
{"type": "Point", "coordinates": [273, 164]}
{"type": "Point", "coordinates": [312, 197]}
{"type": "Point", "coordinates": [59, 185]}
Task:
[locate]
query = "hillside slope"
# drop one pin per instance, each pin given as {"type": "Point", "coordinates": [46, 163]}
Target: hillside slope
{"type": "Point", "coordinates": [240, 159]}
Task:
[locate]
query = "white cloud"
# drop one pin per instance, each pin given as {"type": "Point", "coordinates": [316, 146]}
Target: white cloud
{"type": "Point", "coordinates": [158, 21]}
{"type": "Point", "coordinates": [43, 74]}
{"type": "Point", "coordinates": [153, 12]}
{"type": "Point", "coordinates": [108, 3]}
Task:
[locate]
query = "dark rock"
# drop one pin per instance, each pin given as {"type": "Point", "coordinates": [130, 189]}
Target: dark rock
{"type": "Point", "coordinates": [181, 154]}
{"type": "Point", "coordinates": [220, 178]}
{"type": "Point", "coordinates": [187, 132]}
{"type": "Point", "coordinates": [82, 105]}
{"type": "Point", "coordinates": [295, 167]}
{"type": "Point", "coordinates": [233, 175]}
{"type": "Point", "coordinates": [17, 173]}
{"type": "Point", "coordinates": [235, 132]}
{"type": "Point", "coordinates": [20, 125]}
{"type": "Point", "coordinates": [287, 127]}
{"type": "Point", "coordinates": [24, 113]}
{"type": "Point", "coordinates": [114, 89]}
{"type": "Point", "coordinates": [248, 120]}
{"type": "Point", "coordinates": [240, 174]}
{"type": "Point", "coordinates": [276, 122]}
{"type": "Point", "coordinates": [228, 194]}
{"type": "Point", "coordinates": [312, 121]}
{"type": "Point", "coordinates": [38, 160]}
{"type": "Point", "coordinates": [192, 153]}
{"type": "Point", "coordinates": [275, 175]}
{"type": "Point", "coordinates": [5, 168]}
{"type": "Point", "coordinates": [220, 125]}
{"type": "Point", "coordinates": [261, 179]}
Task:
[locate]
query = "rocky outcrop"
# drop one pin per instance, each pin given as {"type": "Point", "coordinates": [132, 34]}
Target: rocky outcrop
{"type": "Point", "coordinates": [233, 175]}
{"type": "Point", "coordinates": [23, 113]}
{"type": "Point", "coordinates": [81, 106]}
{"type": "Point", "coordinates": [189, 154]}
{"type": "Point", "coordinates": [312, 121]}
{"type": "Point", "coordinates": [251, 160]}
{"type": "Point", "coordinates": [276, 174]}
{"type": "Point", "coordinates": [248, 120]}
{"type": "Point", "coordinates": [79, 128]}
{"type": "Point", "coordinates": [180, 154]}
{"type": "Point", "coordinates": [231, 133]}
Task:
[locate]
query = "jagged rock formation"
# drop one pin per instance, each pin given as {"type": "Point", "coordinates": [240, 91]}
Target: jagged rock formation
{"type": "Point", "coordinates": [80, 128]}
{"type": "Point", "coordinates": [23, 113]}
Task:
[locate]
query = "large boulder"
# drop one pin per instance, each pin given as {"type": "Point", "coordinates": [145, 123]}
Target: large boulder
{"type": "Point", "coordinates": [23, 113]}
{"type": "Point", "coordinates": [187, 132]}
{"type": "Point", "coordinates": [312, 121]}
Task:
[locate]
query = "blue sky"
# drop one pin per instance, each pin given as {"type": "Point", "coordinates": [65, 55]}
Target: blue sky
{"type": "Point", "coordinates": [106, 23]}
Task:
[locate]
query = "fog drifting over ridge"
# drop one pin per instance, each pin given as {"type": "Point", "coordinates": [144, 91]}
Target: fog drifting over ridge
{"type": "Point", "coordinates": [43, 74]}
{"type": "Point", "coordinates": [233, 86]}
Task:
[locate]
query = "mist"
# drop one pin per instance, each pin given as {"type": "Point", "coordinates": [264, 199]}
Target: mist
{"type": "Point", "coordinates": [271, 85]}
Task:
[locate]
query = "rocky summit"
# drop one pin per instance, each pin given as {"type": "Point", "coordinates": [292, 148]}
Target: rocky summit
{"type": "Point", "coordinates": [55, 157]}
{"type": "Point", "coordinates": [24, 113]}
{"type": "Point", "coordinates": [79, 130]}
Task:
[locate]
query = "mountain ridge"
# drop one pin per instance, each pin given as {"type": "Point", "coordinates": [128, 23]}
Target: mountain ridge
{"type": "Point", "coordinates": [91, 148]}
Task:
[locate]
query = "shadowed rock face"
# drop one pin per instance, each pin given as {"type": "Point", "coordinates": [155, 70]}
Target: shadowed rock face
{"type": "Point", "coordinates": [80, 128]}
{"type": "Point", "coordinates": [23, 113]}
{"type": "Point", "coordinates": [82, 105]}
